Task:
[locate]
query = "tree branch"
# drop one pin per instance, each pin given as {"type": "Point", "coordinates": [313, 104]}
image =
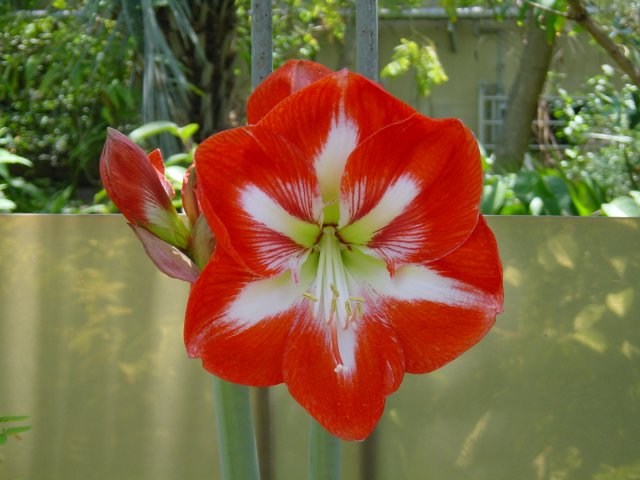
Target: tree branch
{"type": "Point", "coordinates": [578, 13]}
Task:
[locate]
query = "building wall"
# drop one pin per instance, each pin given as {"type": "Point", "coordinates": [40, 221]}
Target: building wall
{"type": "Point", "coordinates": [471, 56]}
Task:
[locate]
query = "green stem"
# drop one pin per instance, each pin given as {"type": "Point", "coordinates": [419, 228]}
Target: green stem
{"type": "Point", "coordinates": [236, 437]}
{"type": "Point", "coordinates": [324, 454]}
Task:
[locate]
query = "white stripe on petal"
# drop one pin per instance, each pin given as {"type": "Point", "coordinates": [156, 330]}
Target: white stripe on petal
{"type": "Point", "coordinates": [416, 282]}
{"type": "Point", "coordinates": [265, 298]}
{"type": "Point", "coordinates": [347, 346]}
{"type": "Point", "coordinates": [393, 202]}
{"type": "Point", "coordinates": [330, 162]}
{"type": "Point", "coordinates": [263, 209]}
{"type": "Point", "coordinates": [410, 282]}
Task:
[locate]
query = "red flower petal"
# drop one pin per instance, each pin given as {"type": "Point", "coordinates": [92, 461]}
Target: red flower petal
{"type": "Point", "coordinates": [286, 80]}
{"type": "Point", "coordinates": [155, 157]}
{"type": "Point", "coordinates": [188, 194]}
{"type": "Point", "coordinates": [261, 201]}
{"type": "Point", "coordinates": [433, 334]}
{"type": "Point", "coordinates": [306, 118]}
{"type": "Point", "coordinates": [412, 190]}
{"type": "Point", "coordinates": [246, 347]}
{"type": "Point", "coordinates": [130, 179]}
{"type": "Point", "coordinates": [347, 404]}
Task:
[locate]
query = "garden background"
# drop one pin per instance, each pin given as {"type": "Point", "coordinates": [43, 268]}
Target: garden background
{"type": "Point", "coordinates": [562, 74]}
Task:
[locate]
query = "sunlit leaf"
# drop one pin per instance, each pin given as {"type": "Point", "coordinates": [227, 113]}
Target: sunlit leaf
{"type": "Point", "coordinates": [10, 158]}
{"type": "Point", "coordinates": [178, 159]}
{"type": "Point", "coordinates": [493, 197]}
{"type": "Point", "coordinates": [188, 131]}
{"type": "Point", "coordinates": [175, 174]}
{"type": "Point", "coordinates": [423, 58]}
{"type": "Point", "coordinates": [622, 207]}
{"type": "Point", "coordinates": [154, 128]}
{"type": "Point", "coordinates": [7, 205]}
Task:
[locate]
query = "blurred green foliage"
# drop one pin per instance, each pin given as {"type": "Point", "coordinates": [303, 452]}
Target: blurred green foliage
{"type": "Point", "coordinates": [603, 131]}
{"type": "Point", "coordinates": [58, 93]}
{"type": "Point", "coordinates": [539, 190]}
{"type": "Point", "coordinates": [55, 106]}
{"type": "Point", "coordinates": [422, 58]}
{"type": "Point", "coordinates": [299, 26]}
{"type": "Point", "coordinates": [598, 173]}
{"type": "Point", "coordinates": [14, 431]}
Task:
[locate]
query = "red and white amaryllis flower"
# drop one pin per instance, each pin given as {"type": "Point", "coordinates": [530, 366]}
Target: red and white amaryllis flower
{"type": "Point", "coordinates": [350, 250]}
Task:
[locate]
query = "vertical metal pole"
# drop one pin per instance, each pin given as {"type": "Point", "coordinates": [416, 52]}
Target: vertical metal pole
{"type": "Point", "coordinates": [261, 41]}
{"type": "Point", "coordinates": [261, 67]}
{"type": "Point", "coordinates": [367, 38]}
{"type": "Point", "coordinates": [367, 65]}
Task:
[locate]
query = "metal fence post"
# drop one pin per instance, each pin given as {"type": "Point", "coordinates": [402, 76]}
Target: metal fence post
{"type": "Point", "coordinates": [367, 38]}
{"type": "Point", "coordinates": [261, 41]}
{"type": "Point", "coordinates": [261, 67]}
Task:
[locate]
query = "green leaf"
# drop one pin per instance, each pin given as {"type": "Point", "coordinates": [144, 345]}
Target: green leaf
{"type": "Point", "coordinates": [560, 192]}
{"type": "Point", "coordinates": [7, 205]}
{"type": "Point", "coordinates": [178, 159]}
{"type": "Point", "coordinates": [14, 418]}
{"type": "Point", "coordinates": [16, 430]}
{"type": "Point", "coordinates": [175, 174]}
{"type": "Point", "coordinates": [586, 196]}
{"type": "Point", "coordinates": [622, 207]}
{"type": "Point", "coordinates": [57, 203]}
{"type": "Point", "coordinates": [154, 128]}
{"type": "Point", "coordinates": [188, 131]}
{"type": "Point", "coordinates": [7, 157]}
{"type": "Point", "coordinates": [493, 197]}
{"type": "Point", "coordinates": [429, 72]}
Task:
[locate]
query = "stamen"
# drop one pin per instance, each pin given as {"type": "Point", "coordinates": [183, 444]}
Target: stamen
{"type": "Point", "coordinates": [330, 299]}
{"type": "Point", "coordinates": [350, 315]}
{"type": "Point", "coordinates": [330, 319]}
{"type": "Point", "coordinates": [353, 317]}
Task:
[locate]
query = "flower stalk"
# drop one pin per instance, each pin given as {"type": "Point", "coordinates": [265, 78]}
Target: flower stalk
{"type": "Point", "coordinates": [324, 454]}
{"type": "Point", "coordinates": [236, 437]}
